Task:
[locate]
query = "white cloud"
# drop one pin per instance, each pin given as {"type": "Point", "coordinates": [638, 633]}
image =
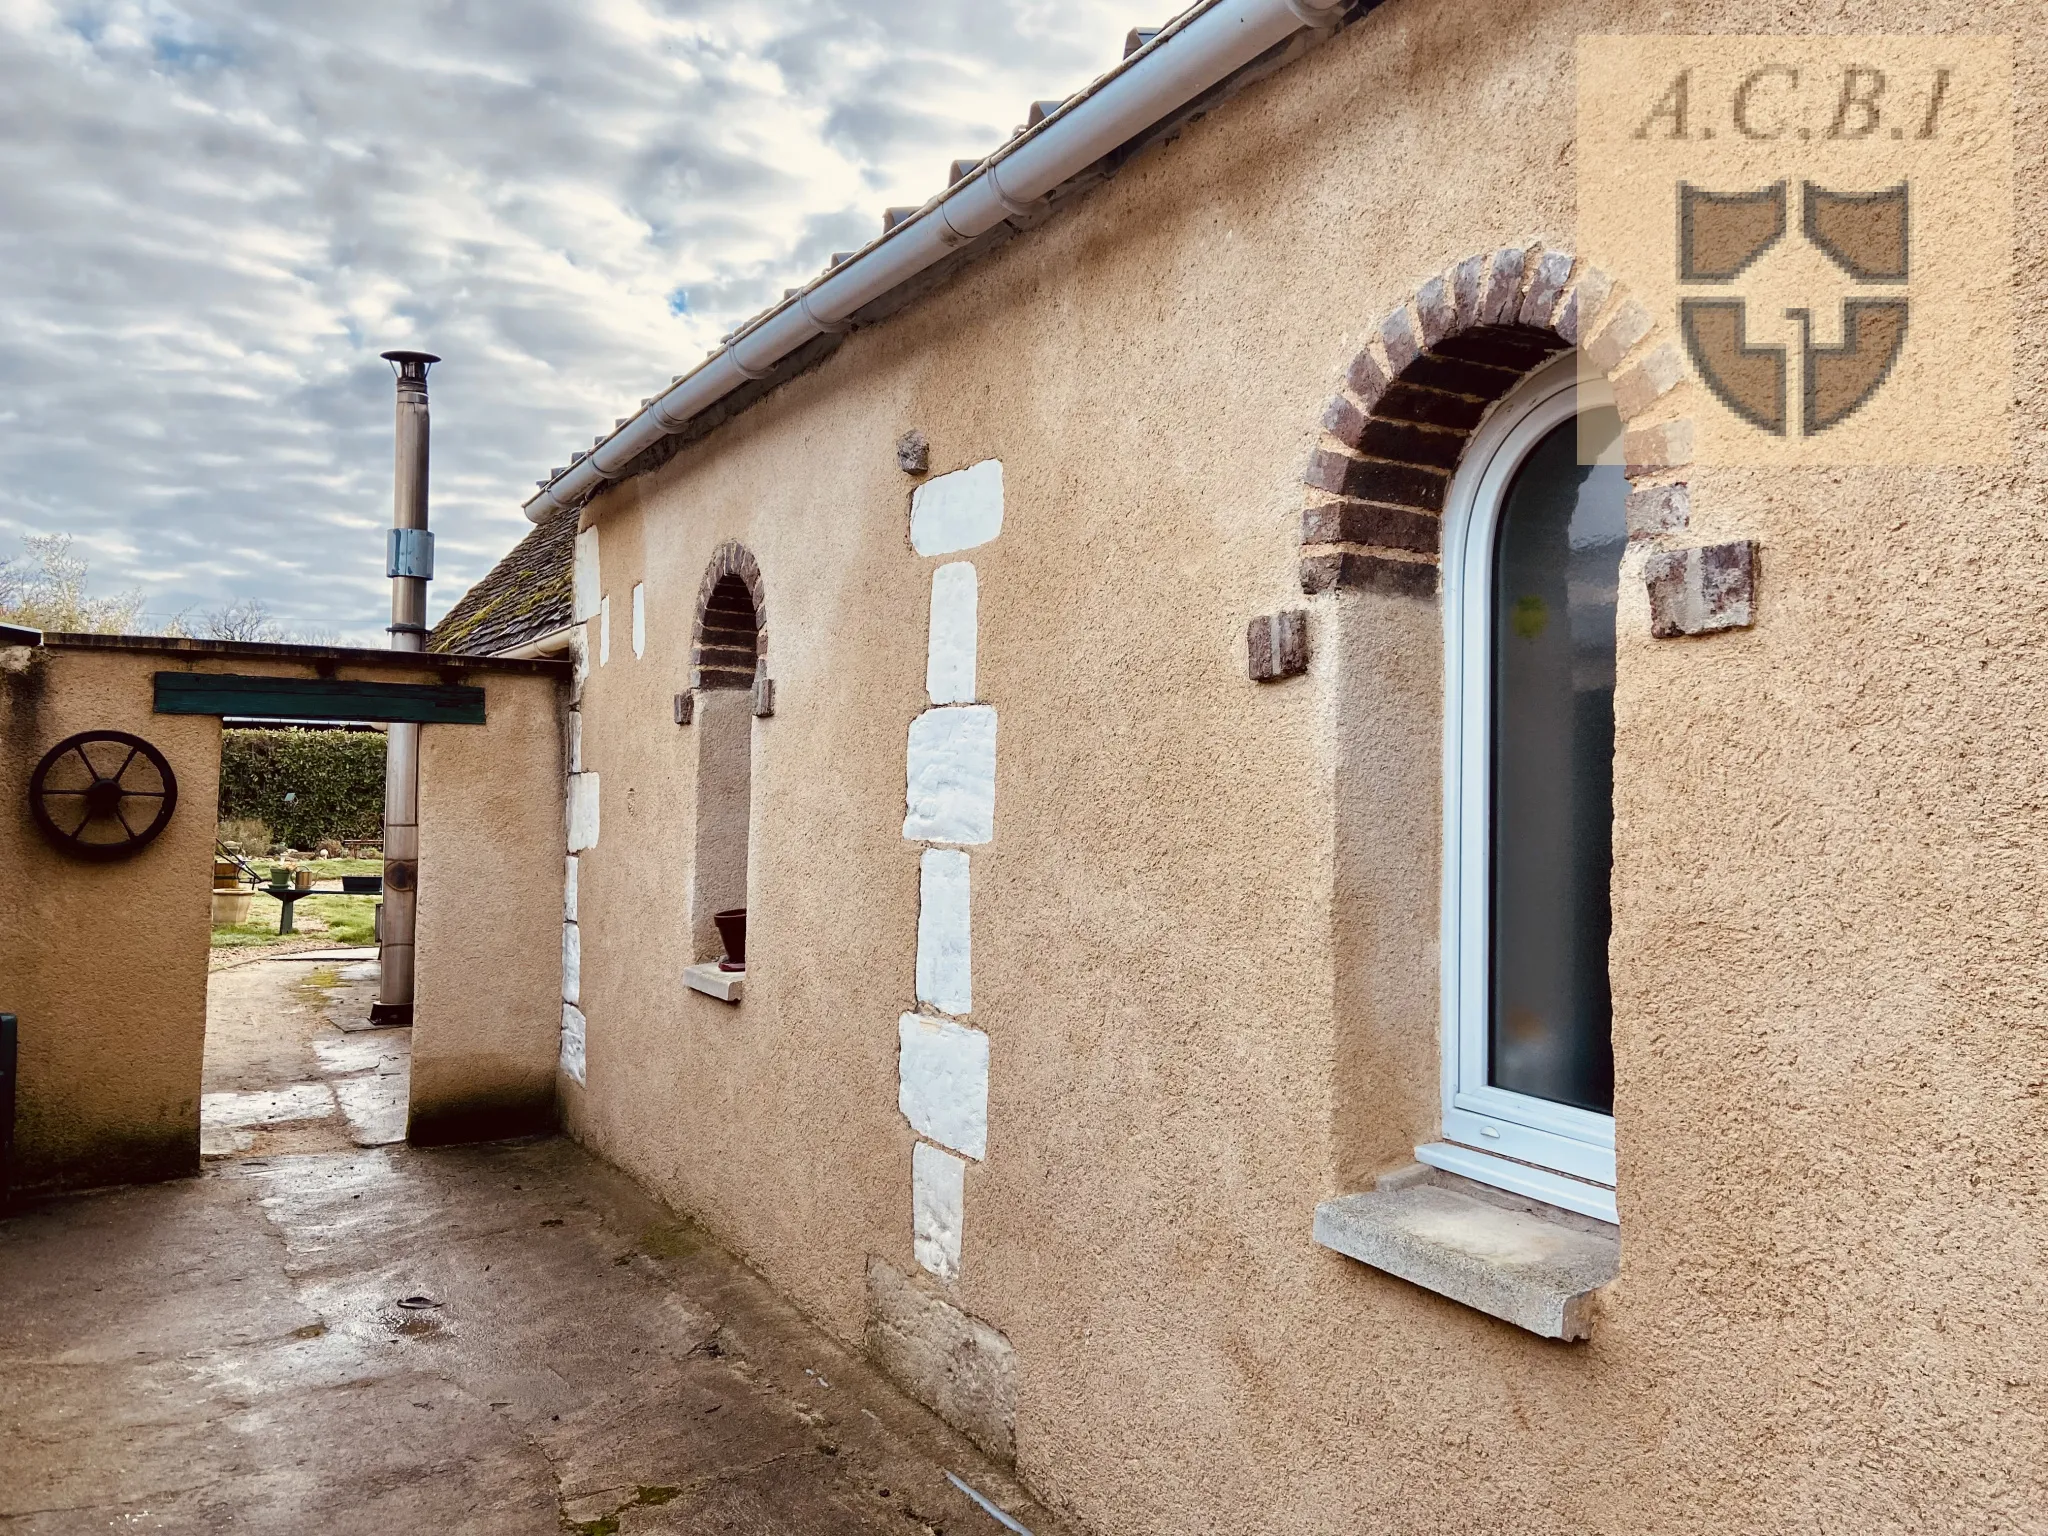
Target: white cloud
{"type": "Point", "coordinates": [214, 216]}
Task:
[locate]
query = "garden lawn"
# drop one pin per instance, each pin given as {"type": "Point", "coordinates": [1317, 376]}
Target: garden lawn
{"type": "Point", "coordinates": [331, 869]}
{"type": "Point", "coordinates": [349, 919]}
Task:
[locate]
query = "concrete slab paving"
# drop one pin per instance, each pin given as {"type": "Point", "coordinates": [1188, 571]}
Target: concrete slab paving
{"type": "Point", "coordinates": [284, 1070]}
{"type": "Point", "coordinates": [502, 1339]}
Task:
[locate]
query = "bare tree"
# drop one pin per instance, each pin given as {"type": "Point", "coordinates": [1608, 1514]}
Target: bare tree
{"type": "Point", "coordinates": [44, 588]}
{"type": "Point", "coordinates": [250, 618]}
{"type": "Point", "coordinates": [246, 618]}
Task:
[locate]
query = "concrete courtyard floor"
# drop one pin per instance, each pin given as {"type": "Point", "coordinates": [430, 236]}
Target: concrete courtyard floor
{"type": "Point", "coordinates": [291, 1063]}
{"type": "Point", "coordinates": [499, 1339]}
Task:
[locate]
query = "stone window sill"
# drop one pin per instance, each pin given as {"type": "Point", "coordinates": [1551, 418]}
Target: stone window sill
{"type": "Point", "coordinates": [726, 986]}
{"type": "Point", "coordinates": [1516, 1259]}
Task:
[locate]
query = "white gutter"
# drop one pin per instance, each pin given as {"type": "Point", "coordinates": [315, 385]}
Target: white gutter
{"type": "Point", "coordinates": [541, 648]}
{"type": "Point", "coordinates": [1181, 63]}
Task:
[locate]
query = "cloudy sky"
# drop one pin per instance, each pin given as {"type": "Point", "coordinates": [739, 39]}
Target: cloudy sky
{"type": "Point", "coordinates": [214, 216]}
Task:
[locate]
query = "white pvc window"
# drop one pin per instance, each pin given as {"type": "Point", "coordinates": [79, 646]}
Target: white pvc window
{"type": "Point", "coordinates": [1533, 538]}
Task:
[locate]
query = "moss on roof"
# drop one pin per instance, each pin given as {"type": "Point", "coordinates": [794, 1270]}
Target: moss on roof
{"type": "Point", "coordinates": [523, 597]}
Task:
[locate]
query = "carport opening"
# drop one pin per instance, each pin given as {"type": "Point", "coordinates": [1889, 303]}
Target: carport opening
{"type": "Point", "coordinates": [292, 1063]}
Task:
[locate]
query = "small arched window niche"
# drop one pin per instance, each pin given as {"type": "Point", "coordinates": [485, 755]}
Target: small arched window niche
{"type": "Point", "coordinates": [728, 652]}
{"type": "Point", "coordinates": [1534, 533]}
{"type": "Point", "coordinates": [728, 643]}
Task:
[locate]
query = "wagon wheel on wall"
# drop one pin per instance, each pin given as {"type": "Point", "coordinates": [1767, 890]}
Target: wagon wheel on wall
{"type": "Point", "coordinates": [102, 794]}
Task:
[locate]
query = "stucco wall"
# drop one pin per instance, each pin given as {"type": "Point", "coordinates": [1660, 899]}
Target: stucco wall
{"type": "Point", "coordinates": [105, 964]}
{"type": "Point", "coordinates": [1205, 929]}
{"type": "Point", "coordinates": [487, 996]}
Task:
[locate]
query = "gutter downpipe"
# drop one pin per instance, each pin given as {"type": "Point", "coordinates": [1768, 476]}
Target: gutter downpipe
{"type": "Point", "coordinates": [409, 562]}
{"type": "Point", "coordinates": [1172, 70]}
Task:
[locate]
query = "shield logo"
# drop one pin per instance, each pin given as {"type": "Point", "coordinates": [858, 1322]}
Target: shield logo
{"type": "Point", "coordinates": [1721, 235]}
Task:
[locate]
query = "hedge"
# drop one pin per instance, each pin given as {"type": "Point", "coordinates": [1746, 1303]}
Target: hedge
{"type": "Point", "coordinates": [336, 779]}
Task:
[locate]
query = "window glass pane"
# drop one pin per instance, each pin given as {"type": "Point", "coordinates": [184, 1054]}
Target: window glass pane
{"type": "Point", "coordinates": [1557, 560]}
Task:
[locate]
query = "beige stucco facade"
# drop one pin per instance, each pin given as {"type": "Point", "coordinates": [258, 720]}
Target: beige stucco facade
{"type": "Point", "coordinates": [487, 1011]}
{"type": "Point", "coordinates": [105, 964]}
{"type": "Point", "coordinates": [1205, 931]}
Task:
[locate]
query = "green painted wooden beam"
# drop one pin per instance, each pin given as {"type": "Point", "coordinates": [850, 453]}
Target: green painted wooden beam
{"type": "Point", "coordinates": [317, 698]}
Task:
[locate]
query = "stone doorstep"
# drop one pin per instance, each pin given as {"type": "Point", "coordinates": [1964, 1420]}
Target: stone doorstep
{"type": "Point", "coordinates": [726, 986]}
{"type": "Point", "coordinates": [1516, 1265]}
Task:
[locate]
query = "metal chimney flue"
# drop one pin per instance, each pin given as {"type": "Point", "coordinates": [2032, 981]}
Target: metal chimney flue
{"type": "Point", "coordinates": [409, 562]}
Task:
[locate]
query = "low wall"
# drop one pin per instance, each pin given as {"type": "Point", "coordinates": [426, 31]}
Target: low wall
{"type": "Point", "coordinates": [105, 964]}
{"type": "Point", "coordinates": [487, 1015]}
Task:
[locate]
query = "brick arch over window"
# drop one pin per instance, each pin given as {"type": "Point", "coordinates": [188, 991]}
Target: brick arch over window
{"type": "Point", "coordinates": [731, 639]}
{"type": "Point", "coordinates": [1393, 434]}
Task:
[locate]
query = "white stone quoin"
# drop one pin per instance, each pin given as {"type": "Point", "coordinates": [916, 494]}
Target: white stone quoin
{"type": "Point", "coordinates": [569, 889]}
{"type": "Point", "coordinates": [938, 1195]}
{"type": "Point", "coordinates": [604, 630]}
{"type": "Point", "coordinates": [575, 741]}
{"type": "Point", "coordinates": [957, 511]}
{"type": "Point", "coordinates": [639, 619]}
{"type": "Point", "coordinates": [952, 776]}
{"type": "Point", "coordinates": [587, 588]}
{"type": "Point", "coordinates": [942, 1081]}
{"type": "Point", "coordinates": [572, 1040]}
{"type": "Point", "coordinates": [572, 963]}
{"type": "Point", "coordinates": [582, 811]}
{"type": "Point", "coordinates": [949, 663]}
{"type": "Point", "coordinates": [579, 665]}
{"type": "Point", "coordinates": [945, 935]}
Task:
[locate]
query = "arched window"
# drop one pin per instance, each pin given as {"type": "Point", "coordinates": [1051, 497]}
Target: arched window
{"type": "Point", "coordinates": [729, 644]}
{"type": "Point", "coordinates": [728, 635]}
{"type": "Point", "coordinates": [1534, 539]}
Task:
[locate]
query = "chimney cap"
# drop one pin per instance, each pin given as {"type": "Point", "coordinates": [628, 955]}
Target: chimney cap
{"type": "Point", "coordinates": [410, 371]}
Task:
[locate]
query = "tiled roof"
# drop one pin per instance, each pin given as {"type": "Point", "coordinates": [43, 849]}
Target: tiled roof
{"type": "Point", "coordinates": [524, 596]}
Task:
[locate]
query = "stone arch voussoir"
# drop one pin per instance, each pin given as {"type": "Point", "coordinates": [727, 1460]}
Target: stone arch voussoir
{"type": "Point", "coordinates": [1392, 435]}
{"type": "Point", "coordinates": [724, 653]}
